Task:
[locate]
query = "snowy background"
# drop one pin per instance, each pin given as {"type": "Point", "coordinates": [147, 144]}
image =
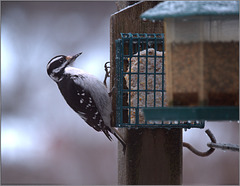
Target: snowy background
{"type": "Point", "coordinates": [42, 140]}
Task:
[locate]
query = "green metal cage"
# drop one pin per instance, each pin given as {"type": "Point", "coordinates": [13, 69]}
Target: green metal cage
{"type": "Point", "coordinates": [140, 76]}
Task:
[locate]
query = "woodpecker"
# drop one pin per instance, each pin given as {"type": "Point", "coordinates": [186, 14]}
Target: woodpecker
{"type": "Point", "coordinates": [84, 93]}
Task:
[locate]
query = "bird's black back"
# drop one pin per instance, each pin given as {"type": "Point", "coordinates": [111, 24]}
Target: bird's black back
{"type": "Point", "coordinates": [81, 102]}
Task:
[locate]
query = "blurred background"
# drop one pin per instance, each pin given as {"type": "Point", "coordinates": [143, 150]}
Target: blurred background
{"type": "Point", "coordinates": [42, 140]}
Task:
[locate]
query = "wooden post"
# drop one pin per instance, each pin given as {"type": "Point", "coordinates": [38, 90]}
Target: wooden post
{"type": "Point", "coordinates": [153, 156]}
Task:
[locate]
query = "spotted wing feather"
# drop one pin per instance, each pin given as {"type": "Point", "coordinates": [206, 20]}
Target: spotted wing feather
{"type": "Point", "coordinates": [84, 106]}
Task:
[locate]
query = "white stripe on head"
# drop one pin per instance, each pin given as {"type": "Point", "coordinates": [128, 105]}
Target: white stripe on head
{"type": "Point", "coordinates": [56, 58]}
{"type": "Point", "coordinates": [63, 65]}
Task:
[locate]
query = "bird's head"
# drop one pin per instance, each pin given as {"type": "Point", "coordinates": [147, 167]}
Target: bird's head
{"type": "Point", "coordinates": [57, 64]}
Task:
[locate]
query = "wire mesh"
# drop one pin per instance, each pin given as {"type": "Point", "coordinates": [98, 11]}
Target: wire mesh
{"type": "Point", "coordinates": [140, 74]}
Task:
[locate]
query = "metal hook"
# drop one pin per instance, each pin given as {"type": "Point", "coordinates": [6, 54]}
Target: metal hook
{"type": "Point", "coordinates": [224, 146]}
{"type": "Point", "coordinates": [107, 73]}
{"type": "Point", "coordinates": [203, 154]}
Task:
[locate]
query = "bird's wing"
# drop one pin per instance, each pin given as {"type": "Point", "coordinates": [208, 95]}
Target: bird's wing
{"type": "Point", "coordinates": [85, 105]}
{"type": "Point", "coordinates": [89, 110]}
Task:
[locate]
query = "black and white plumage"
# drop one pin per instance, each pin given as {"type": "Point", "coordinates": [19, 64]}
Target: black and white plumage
{"type": "Point", "coordinates": [84, 93]}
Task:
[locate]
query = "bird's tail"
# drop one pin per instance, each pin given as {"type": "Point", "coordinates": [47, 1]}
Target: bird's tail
{"type": "Point", "coordinates": [107, 134]}
{"type": "Point", "coordinates": [119, 137]}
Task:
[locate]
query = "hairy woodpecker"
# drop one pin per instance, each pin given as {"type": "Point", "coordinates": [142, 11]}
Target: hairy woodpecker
{"type": "Point", "coordinates": [84, 93]}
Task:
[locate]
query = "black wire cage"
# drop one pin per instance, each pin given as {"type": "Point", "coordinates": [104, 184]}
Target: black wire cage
{"type": "Point", "coordinates": [140, 74]}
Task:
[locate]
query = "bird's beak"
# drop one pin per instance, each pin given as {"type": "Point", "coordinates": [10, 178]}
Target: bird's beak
{"type": "Point", "coordinates": [73, 58]}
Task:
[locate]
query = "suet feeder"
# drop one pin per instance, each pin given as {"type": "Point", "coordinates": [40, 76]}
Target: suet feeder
{"type": "Point", "coordinates": [141, 81]}
{"type": "Point", "coordinates": [202, 53]}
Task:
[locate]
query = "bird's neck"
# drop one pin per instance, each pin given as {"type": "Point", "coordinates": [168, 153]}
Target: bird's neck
{"type": "Point", "coordinates": [73, 71]}
{"type": "Point", "coordinates": [57, 76]}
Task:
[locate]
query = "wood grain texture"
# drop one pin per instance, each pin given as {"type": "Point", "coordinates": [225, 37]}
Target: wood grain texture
{"type": "Point", "coordinates": [153, 156]}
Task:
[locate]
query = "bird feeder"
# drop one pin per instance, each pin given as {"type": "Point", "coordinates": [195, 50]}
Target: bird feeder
{"type": "Point", "coordinates": [202, 52]}
{"type": "Point", "coordinates": [141, 81]}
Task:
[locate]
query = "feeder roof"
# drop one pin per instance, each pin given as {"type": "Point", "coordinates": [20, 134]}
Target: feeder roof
{"type": "Point", "coordinates": [191, 8]}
